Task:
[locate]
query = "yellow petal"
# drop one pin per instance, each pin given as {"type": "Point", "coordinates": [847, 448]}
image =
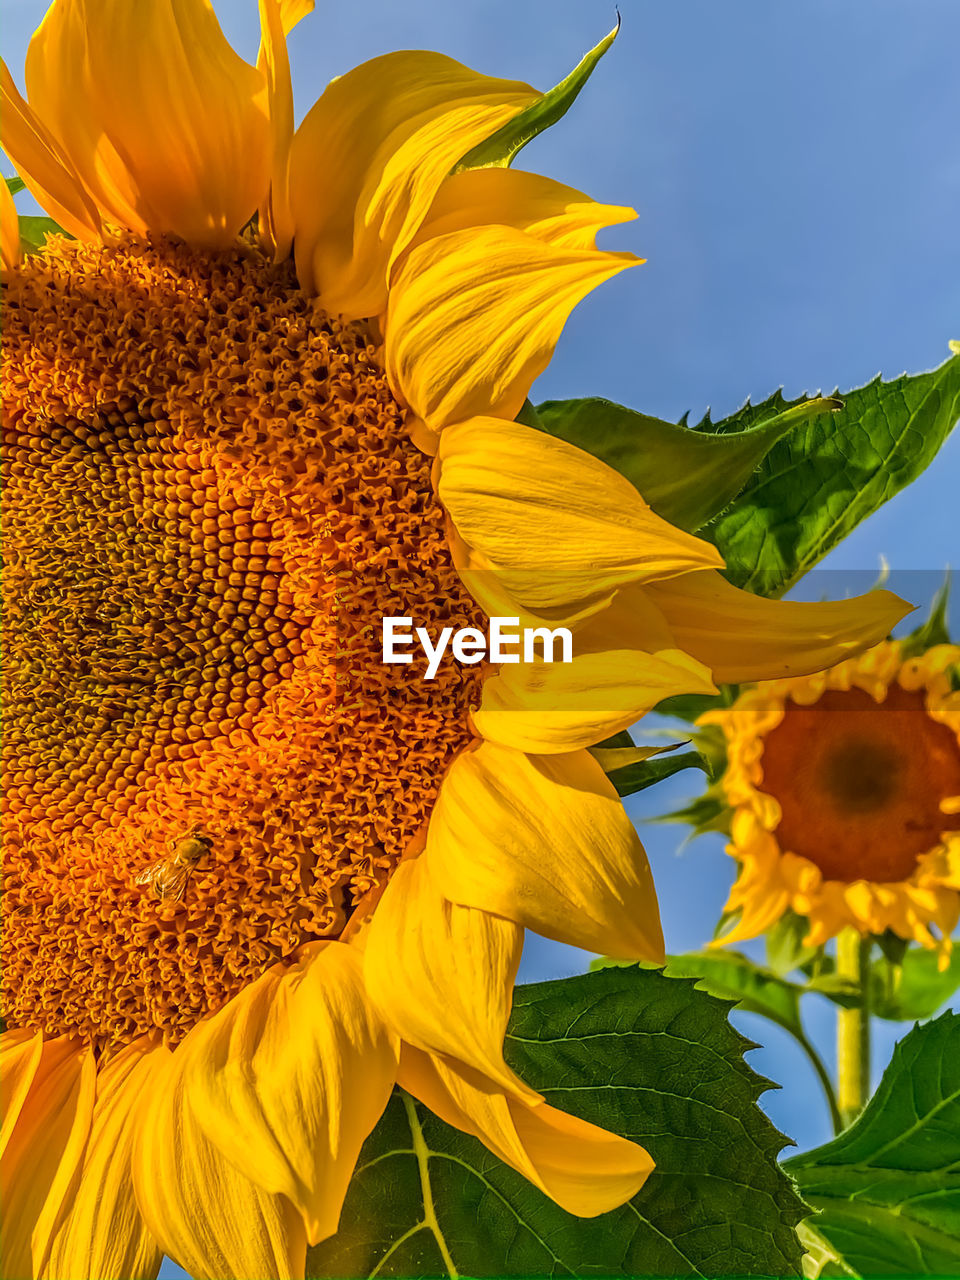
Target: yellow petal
{"type": "Point", "coordinates": [49, 176]}
{"type": "Point", "coordinates": [102, 1232]}
{"type": "Point", "coordinates": [203, 1212]}
{"type": "Point", "coordinates": [585, 1169]}
{"type": "Point", "coordinates": [741, 637]}
{"type": "Point", "coordinates": [43, 1154]}
{"type": "Point", "coordinates": [9, 231]}
{"type": "Point", "coordinates": [277, 19]}
{"type": "Point", "coordinates": [442, 975]}
{"type": "Point", "coordinates": [625, 661]}
{"type": "Point", "coordinates": [474, 317]}
{"type": "Point", "coordinates": [368, 159]}
{"type": "Point", "coordinates": [167, 126]}
{"type": "Point", "coordinates": [557, 526]}
{"type": "Point", "coordinates": [546, 209]}
{"type": "Point", "coordinates": [544, 841]}
{"type": "Point", "coordinates": [20, 1053]}
{"type": "Point", "coordinates": [290, 1078]}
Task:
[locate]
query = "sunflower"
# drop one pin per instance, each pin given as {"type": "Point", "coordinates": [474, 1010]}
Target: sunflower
{"type": "Point", "coordinates": [845, 791]}
{"type": "Point", "coordinates": [261, 399]}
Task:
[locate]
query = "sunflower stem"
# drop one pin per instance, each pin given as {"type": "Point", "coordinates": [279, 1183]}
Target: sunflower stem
{"type": "Point", "coordinates": [853, 1026]}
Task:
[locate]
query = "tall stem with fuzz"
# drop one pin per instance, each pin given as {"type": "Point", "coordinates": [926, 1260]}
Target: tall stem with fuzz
{"type": "Point", "coordinates": [853, 1026]}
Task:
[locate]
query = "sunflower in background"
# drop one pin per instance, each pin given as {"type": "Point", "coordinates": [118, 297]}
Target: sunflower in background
{"type": "Point", "coordinates": [844, 788]}
{"type": "Point", "coordinates": [264, 397]}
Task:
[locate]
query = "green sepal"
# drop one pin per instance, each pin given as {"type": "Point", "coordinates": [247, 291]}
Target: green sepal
{"type": "Point", "coordinates": [708, 813]}
{"type": "Point", "coordinates": [892, 946]}
{"type": "Point", "coordinates": [935, 630]}
{"type": "Point", "coordinates": [501, 148]}
{"type": "Point", "coordinates": [785, 946]}
{"type": "Point", "coordinates": [888, 1188]}
{"type": "Point", "coordinates": [687, 476]}
{"type": "Point", "coordinates": [691, 706]}
{"type": "Point", "coordinates": [646, 773]}
{"type": "Point", "coordinates": [818, 484]}
{"type": "Point", "coordinates": [15, 185]}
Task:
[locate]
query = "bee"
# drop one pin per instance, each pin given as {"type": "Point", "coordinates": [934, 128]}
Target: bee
{"type": "Point", "coordinates": [169, 877]}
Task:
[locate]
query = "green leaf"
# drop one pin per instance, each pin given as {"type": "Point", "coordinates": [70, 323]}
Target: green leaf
{"type": "Point", "coordinates": [15, 185]}
{"type": "Point", "coordinates": [646, 773]}
{"type": "Point", "coordinates": [501, 148]}
{"type": "Point", "coordinates": [888, 1188]}
{"type": "Point", "coordinates": [815, 486]}
{"type": "Point", "coordinates": [687, 476]}
{"type": "Point", "coordinates": [917, 989]}
{"type": "Point", "coordinates": [644, 1055]}
{"type": "Point", "coordinates": [733, 976]}
{"type": "Point", "coordinates": [34, 232]}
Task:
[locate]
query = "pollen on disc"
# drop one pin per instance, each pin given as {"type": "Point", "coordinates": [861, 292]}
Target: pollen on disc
{"type": "Point", "coordinates": [210, 501]}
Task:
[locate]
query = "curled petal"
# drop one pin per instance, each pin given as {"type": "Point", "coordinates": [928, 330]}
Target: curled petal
{"type": "Point", "coordinates": [166, 125]}
{"type": "Point", "coordinates": [585, 1169]}
{"type": "Point", "coordinates": [442, 974]}
{"type": "Point", "coordinates": [624, 661]}
{"type": "Point", "coordinates": [43, 1154]}
{"type": "Point", "coordinates": [9, 231]}
{"type": "Point", "coordinates": [47, 173]}
{"type": "Point", "coordinates": [740, 636]}
{"type": "Point", "coordinates": [557, 527]}
{"type": "Point", "coordinates": [474, 317]}
{"type": "Point", "coordinates": [368, 159]}
{"type": "Point", "coordinates": [544, 841]}
{"type": "Point", "coordinates": [290, 1078]}
{"type": "Point", "coordinates": [277, 19]}
{"type": "Point", "coordinates": [102, 1232]}
{"type": "Point", "coordinates": [548, 210]}
{"type": "Point", "coordinates": [206, 1215]}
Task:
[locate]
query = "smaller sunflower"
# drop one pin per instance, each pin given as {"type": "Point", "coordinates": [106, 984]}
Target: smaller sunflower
{"type": "Point", "coordinates": [845, 791]}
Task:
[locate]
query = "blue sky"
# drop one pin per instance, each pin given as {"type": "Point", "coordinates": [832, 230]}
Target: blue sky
{"type": "Point", "coordinates": [797, 179]}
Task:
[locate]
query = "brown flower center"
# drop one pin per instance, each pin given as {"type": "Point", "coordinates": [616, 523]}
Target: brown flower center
{"type": "Point", "coordinates": [860, 783]}
{"type": "Point", "coordinates": [210, 502]}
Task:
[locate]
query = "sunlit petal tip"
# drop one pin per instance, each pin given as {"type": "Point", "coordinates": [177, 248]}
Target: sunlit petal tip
{"type": "Point", "coordinates": [740, 636]}
{"type": "Point", "coordinates": [545, 209]}
{"type": "Point", "coordinates": [582, 879]}
{"type": "Point", "coordinates": [504, 484]}
{"type": "Point", "coordinates": [475, 314]}
{"type": "Point", "coordinates": [368, 159]}
{"type": "Point", "coordinates": [102, 73]}
{"type": "Point", "coordinates": [585, 1169]}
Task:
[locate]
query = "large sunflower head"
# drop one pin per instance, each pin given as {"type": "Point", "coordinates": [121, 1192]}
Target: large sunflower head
{"type": "Point", "coordinates": [263, 398]}
{"type": "Point", "coordinates": [845, 791]}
